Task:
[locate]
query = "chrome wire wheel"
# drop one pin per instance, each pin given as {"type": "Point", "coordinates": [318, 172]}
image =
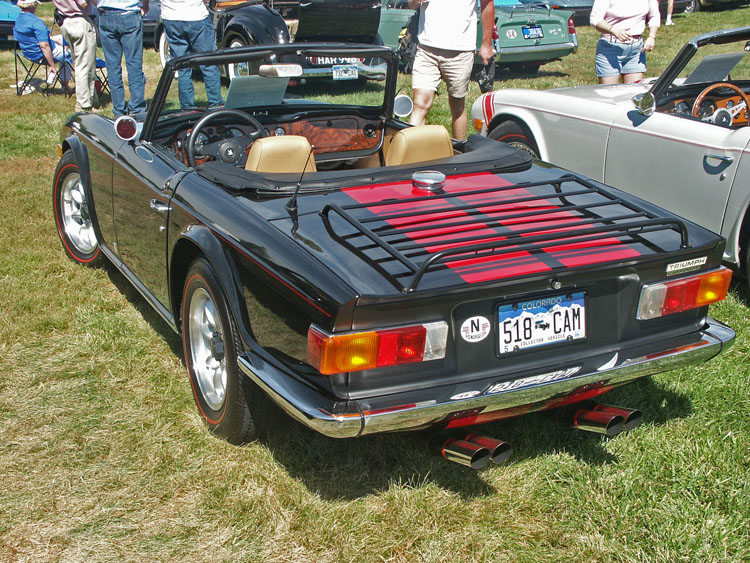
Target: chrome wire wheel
{"type": "Point", "coordinates": [75, 216]}
{"type": "Point", "coordinates": [207, 352]}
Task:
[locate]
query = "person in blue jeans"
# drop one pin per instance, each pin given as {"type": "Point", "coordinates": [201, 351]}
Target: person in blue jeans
{"type": "Point", "coordinates": [189, 29]}
{"type": "Point", "coordinates": [121, 33]}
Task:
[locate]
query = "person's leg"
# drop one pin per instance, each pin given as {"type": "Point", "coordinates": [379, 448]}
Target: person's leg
{"type": "Point", "coordinates": [633, 63]}
{"type": "Point", "coordinates": [670, 8]}
{"type": "Point", "coordinates": [422, 104]}
{"type": "Point", "coordinates": [425, 79]}
{"type": "Point", "coordinates": [131, 37]}
{"type": "Point", "coordinates": [72, 33]}
{"type": "Point", "coordinates": [204, 40]}
{"type": "Point", "coordinates": [110, 37]}
{"type": "Point", "coordinates": [458, 116]}
{"type": "Point", "coordinates": [88, 61]}
{"type": "Point", "coordinates": [178, 46]}
{"type": "Point", "coordinates": [607, 62]}
{"type": "Point", "coordinates": [456, 71]}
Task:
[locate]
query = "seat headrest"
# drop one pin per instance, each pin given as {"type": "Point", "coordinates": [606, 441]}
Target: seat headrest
{"type": "Point", "coordinates": [286, 153]}
{"type": "Point", "coordinates": [419, 144]}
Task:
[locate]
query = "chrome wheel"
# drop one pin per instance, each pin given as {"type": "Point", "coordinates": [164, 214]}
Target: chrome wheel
{"type": "Point", "coordinates": [75, 215]}
{"type": "Point", "coordinates": [207, 352]}
{"type": "Point", "coordinates": [237, 69]}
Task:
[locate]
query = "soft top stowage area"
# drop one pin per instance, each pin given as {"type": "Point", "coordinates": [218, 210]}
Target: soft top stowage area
{"type": "Point", "coordinates": [481, 154]}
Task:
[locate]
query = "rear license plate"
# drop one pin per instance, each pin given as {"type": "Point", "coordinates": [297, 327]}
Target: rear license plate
{"type": "Point", "coordinates": [532, 32]}
{"type": "Point", "coordinates": [543, 321]}
{"type": "Point", "coordinates": [345, 72]}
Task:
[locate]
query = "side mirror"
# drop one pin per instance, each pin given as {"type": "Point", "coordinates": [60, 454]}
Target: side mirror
{"type": "Point", "coordinates": [126, 128]}
{"type": "Point", "coordinates": [644, 103]}
{"type": "Point", "coordinates": [402, 105]}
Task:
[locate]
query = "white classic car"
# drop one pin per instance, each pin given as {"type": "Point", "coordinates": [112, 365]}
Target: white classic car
{"type": "Point", "coordinates": [681, 140]}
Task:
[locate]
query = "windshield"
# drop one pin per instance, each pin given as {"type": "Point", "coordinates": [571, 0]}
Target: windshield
{"type": "Point", "coordinates": [282, 80]}
{"type": "Point", "coordinates": [717, 63]}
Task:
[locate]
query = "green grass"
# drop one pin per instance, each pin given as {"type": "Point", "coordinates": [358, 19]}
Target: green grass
{"type": "Point", "coordinates": [103, 456]}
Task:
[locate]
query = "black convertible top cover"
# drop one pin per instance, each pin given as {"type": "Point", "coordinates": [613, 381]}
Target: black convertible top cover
{"type": "Point", "coordinates": [481, 155]}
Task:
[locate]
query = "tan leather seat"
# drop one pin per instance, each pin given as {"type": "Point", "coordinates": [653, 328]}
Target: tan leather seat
{"type": "Point", "coordinates": [419, 144]}
{"type": "Point", "coordinates": [287, 153]}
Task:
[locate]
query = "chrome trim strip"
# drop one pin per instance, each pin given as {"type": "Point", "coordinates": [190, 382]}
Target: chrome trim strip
{"type": "Point", "coordinates": [311, 408]}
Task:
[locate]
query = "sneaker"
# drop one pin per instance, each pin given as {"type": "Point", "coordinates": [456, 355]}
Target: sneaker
{"type": "Point", "coordinates": [669, 22]}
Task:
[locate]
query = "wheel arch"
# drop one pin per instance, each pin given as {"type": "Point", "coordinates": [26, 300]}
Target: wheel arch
{"type": "Point", "coordinates": [80, 154]}
{"type": "Point", "coordinates": [739, 238]}
{"type": "Point", "coordinates": [196, 242]}
{"type": "Point", "coordinates": [528, 124]}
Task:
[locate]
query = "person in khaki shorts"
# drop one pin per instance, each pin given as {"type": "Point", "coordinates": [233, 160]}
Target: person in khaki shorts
{"type": "Point", "coordinates": [79, 32]}
{"type": "Point", "coordinates": [447, 41]}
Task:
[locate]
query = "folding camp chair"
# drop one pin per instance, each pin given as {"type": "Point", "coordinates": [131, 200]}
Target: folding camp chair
{"type": "Point", "coordinates": [30, 81]}
{"type": "Point", "coordinates": [102, 80]}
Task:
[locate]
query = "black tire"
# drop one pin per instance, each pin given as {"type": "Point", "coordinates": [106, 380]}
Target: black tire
{"type": "Point", "coordinates": [71, 210]}
{"type": "Point", "coordinates": [162, 46]}
{"type": "Point", "coordinates": [513, 134]}
{"type": "Point", "coordinates": [223, 404]}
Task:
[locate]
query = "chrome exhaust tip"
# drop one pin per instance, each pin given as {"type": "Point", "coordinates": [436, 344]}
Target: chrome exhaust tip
{"type": "Point", "coordinates": [465, 453]}
{"type": "Point", "coordinates": [632, 418]}
{"type": "Point", "coordinates": [499, 450]}
{"type": "Point", "coordinates": [598, 421]}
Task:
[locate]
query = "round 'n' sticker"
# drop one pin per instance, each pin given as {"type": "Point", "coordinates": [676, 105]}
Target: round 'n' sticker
{"type": "Point", "coordinates": [475, 329]}
{"type": "Point", "coordinates": [511, 34]}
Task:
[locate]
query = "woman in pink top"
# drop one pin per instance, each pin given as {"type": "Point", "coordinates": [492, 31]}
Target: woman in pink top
{"type": "Point", "coordinates": [621, 49]}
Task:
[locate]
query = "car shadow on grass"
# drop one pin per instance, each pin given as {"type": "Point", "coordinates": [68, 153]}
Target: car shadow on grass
{"type": "Point", "coordinates": [351, 469]}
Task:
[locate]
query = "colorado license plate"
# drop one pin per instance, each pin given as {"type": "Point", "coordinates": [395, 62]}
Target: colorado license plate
{"type": "Point", "coordinates": [345, 72]}
{"type": "Point", "coordinates": [543, 321]}
{"type": "Point", "coordinates": [532, 32]}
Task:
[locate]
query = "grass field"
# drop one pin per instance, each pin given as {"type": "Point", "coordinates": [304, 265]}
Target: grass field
{"type": "Point", "coordinates": [103, 456]}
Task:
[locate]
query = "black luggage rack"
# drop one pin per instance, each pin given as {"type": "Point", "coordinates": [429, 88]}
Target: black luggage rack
{"type": "Point", "coordinates": [598, 215]}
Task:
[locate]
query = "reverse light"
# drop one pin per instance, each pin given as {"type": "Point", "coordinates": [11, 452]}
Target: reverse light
{"type": "Point", "coordinates": [355, 351]}
{"type": "Point", "coordinates": [661, 299]}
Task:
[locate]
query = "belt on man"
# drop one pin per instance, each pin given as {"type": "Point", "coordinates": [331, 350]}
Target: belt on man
{"type": "Point", "coordinates": [614, 39]}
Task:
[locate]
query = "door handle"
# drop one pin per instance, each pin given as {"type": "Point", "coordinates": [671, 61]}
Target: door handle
{"type": "Point", "coordinates": [160, 206]}
{"type": "Point", "coordinates": [727, 159]}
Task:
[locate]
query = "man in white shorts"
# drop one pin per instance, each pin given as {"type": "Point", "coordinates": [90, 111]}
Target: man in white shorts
{"type": "Point", "coordinates": [447, 42]}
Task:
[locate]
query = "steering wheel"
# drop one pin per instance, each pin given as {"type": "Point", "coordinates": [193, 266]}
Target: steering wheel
{"type": "Point", "coordinates": [723, 115]}
{"type": "Point", "coordinates": [229, 150]}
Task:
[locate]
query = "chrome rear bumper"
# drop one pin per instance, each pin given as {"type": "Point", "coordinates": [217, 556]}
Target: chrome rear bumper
{"type": "Point", "coordinates": [347, 419]}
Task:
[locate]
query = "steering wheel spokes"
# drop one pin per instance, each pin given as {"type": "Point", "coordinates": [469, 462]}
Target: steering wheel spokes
{"type": "Point", "coordinates": [229, 150]}
{"type": "Point", "coordinates": [723, 115]}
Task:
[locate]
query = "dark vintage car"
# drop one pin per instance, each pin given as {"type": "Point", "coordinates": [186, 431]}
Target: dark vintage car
{"type": "Point", "coordinates": [318, 254]}
{"type": "Point", "coordinates": [253, 22]}
{"type": "Point", "coordinates": [8, 14]}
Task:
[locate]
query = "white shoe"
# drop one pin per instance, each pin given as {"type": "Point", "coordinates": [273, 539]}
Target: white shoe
{"type": "Point", "coordinates": [669, 22]}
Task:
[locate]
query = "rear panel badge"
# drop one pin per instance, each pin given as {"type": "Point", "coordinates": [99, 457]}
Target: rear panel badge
{"type": "Point", "coordinates": [686, 266]}
{"type": "Point", "coordinates": [475, 329]}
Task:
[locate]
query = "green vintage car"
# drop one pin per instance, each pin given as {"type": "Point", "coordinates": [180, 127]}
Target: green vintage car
{"type": "Point", "coordinates": [529, 33]}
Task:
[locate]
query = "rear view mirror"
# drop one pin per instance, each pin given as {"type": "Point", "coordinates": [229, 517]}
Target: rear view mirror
{"type": "Point", "coordinates": [402, 105]}
{"type": "Point", "coordinates": [645, 103]}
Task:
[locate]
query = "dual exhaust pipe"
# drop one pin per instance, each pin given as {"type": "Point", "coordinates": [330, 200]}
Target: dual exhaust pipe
{"type": "Point", "coordinates": [476, 451]}
{"type": "Point", "coordinates": [604, 419]}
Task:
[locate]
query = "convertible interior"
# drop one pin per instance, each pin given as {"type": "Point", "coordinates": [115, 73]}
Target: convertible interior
{"type": "Point", "coordinates": [716, 90]}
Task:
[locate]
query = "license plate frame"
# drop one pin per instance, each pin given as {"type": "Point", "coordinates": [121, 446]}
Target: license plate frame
{"type": "Point", "coordinates": [541, 322]}
{"type": "Point", "coordinates": [533, 31]}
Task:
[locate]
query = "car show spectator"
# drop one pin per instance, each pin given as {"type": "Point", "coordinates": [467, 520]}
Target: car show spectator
{"type": "Point", "coordinates": [621, 50]}
{"type": "Point", "coordinates": [189, 29]}
{"type": "Point", "coordinates": [35, 42]}
{"type": "Point", "coordinates": [121, 33]}
{"type": "Point", "coordinates": [79, 31]}
{"type": "Point", "coordinates": [447, 42]}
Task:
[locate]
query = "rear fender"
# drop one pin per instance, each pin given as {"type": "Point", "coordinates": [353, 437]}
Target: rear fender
{"type": "Point", "coordinates": [200, 241]}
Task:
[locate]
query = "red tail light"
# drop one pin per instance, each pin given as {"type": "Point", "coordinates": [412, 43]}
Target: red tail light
{"type": "Point", "coordinates": [495, 35]}
{"type": "Point", "coordinates": [571, 26]}
{"type": "Point", "coordinates": [660, 299]}
{"type": "Point", "coordinates": [355, 351]}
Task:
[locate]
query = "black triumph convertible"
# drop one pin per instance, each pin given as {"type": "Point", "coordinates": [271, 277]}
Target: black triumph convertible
{"type": "Point", "coordinates": [366, 276]}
